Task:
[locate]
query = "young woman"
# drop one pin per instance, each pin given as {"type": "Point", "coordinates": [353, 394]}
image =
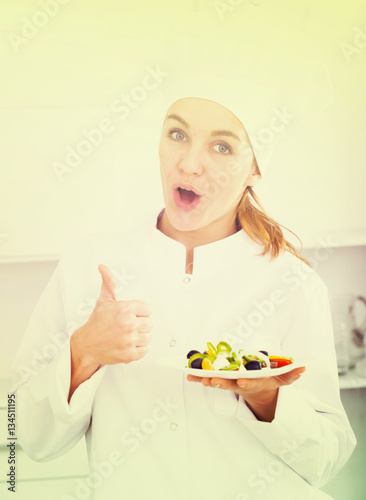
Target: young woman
{"type": "Point", "coordinates": [209, 267]}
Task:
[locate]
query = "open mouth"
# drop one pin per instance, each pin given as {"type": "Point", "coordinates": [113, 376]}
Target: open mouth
{"type": "Point", "coordinates": [187, 196]}
{"type": "Point", "coordinates": [185, 199]}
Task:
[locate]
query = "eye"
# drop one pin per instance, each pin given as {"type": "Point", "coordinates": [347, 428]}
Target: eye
{"type": "Point", "coordinates": [179, 135]}
{"type": "Point", "coordinates": [223, 148]}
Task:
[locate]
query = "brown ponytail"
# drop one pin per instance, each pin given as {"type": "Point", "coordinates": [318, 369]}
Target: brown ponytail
{"type": "Point", "coordinates": [262, 229]}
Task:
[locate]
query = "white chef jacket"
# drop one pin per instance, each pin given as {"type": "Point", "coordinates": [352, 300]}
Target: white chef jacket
{"type": "Point", "coordinates": [149, 432]}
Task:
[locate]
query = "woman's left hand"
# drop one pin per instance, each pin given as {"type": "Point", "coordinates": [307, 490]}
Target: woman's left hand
{"type": "Point", "coordinates": [260, 393]}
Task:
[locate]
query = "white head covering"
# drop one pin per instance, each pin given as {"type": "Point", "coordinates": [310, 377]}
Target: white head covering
{"type": "Point", "coordinates": [238, 96]}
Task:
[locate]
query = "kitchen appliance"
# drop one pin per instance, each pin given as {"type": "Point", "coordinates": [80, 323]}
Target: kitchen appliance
{"type": "Point", "coordinates": [349, 326]}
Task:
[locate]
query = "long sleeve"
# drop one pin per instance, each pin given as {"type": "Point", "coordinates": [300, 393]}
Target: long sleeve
{"type": "Point", "coordinates": [310, 431]}
{"type": "Point", "coordinates": [47, 425]}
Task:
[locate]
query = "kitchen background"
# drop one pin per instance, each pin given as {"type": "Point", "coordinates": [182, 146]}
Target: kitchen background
{"type": "Point", "coordinates": [74, 161]}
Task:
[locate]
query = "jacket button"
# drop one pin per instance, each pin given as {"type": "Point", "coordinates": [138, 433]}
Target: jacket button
{"type": "Point", "coordinates": [173, 426]}
{"type": "Point", "coordinates": [172, 343]}
{"type": "Point", "coordinates": [186, 279]}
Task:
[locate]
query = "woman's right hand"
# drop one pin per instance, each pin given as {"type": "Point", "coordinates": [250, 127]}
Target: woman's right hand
{"type": "Point", "coordinates": [118, 331]}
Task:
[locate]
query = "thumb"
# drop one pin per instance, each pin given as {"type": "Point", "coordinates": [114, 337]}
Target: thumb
{"type": "Point", "coordinates": [107, 288]}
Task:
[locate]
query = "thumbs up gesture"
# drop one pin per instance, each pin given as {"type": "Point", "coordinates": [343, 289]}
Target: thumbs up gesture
{"type": "Point", "coordinates": [118, 331]}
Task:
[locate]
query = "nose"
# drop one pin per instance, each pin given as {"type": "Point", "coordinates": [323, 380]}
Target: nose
{"type": "Point", "coordinates": [191, 162]}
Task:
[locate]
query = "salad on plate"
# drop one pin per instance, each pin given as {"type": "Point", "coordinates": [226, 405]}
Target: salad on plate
{"type": "Point", "coordinates": [224, 358]}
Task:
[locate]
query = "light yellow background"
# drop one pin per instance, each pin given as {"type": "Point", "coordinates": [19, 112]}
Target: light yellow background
{"type": "Point", "coordinates": [66, 77]}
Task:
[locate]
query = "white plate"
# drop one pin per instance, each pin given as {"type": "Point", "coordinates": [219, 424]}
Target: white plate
{"type": "Point", "coordinates": [179, 363]}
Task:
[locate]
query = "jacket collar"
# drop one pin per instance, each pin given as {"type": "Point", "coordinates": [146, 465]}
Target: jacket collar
{"type": "Point", "coordinates": [216, 257]}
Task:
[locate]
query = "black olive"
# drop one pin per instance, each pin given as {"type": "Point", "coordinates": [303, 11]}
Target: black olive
{"type": "Point", "coordinates": [191, 353]}
{"type": "Point", "coordinates": [197, 363]}
{"type": "Point", "coordinates": [253, 365]}
{"type": "Point", "coordinates": [264, 352]}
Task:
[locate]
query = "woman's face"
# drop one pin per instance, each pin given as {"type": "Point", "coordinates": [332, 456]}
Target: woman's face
{"type": "Point", "coordinates": [203, 149]}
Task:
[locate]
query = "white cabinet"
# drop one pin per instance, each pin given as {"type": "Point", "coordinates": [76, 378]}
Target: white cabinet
{"type": "Point", "coordinates": [315, 185]}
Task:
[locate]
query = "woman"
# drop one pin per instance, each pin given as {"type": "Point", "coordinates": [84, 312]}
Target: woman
{"type": "Point", "coordinates": [205, 267]}
{"type": "Point", "coordinates": [195, 219]}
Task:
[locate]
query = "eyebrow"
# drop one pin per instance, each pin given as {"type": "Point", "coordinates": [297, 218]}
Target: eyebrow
{"type": "Point", "coordinates": [213, 133]}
